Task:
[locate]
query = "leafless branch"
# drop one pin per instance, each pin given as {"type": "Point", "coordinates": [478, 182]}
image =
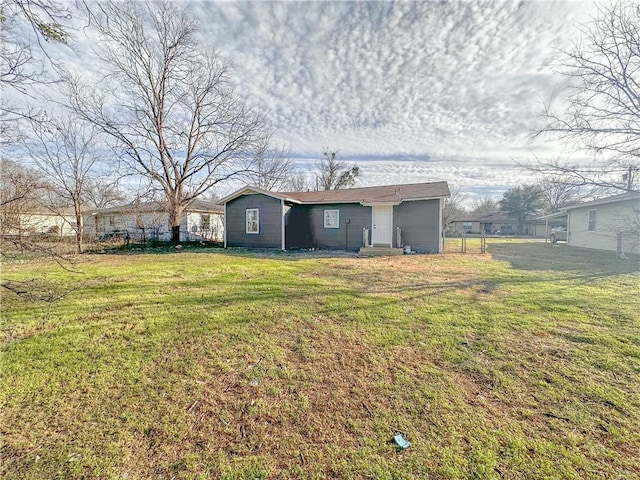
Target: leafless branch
{"type": "Point", "coordinates": [174, 113]}
{"type": "Point", "coordinates": [603, 115]}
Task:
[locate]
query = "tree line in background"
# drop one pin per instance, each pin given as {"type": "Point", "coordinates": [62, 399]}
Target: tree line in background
{"type": "Point", "coordinates": [165, 106]}
{"type": "Point", "coordinates": [165, 109]}
{"type": "Point", "coordinates": [549, 195]}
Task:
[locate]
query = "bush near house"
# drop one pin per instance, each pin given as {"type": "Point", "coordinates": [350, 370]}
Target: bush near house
{"type": "Point", "coordinates": [523, 363]}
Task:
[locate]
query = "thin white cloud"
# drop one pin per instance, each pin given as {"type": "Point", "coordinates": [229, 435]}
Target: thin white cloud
{"type": "Point", "coordinates": [452, 86]}
{"type": "Point", "coordinates": [385, 78]}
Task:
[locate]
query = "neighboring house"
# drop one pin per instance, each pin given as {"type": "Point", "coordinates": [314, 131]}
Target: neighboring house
{"type": "Point", "coordinates": [392, 216]}
{"type": "Point", "coordinates": [611, 223]}
{"type": "Point", "coordinates": [144, 221]}
{"type": "Point", "coordinates": [39, 221]}
{"type": "Point", "coordinates": [496, 224]}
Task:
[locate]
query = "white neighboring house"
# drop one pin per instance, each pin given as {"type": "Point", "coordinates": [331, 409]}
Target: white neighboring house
{"type": "Point", "coordinates": [144, 221]}
{"type": "Point", "coordinates": [611, 223]}
{"type": "Point", "coordinates": [40, 221]}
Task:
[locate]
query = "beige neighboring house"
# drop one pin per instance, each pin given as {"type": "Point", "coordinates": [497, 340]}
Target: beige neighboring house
{"type": "Point", "coordinates": [496, 224]}
{"type": "Point", "coordinates": [40, 221]}
{"type": "Point", "coordinates": [144, 221]}
{"type": "Point", "coordinates": [611, 223]}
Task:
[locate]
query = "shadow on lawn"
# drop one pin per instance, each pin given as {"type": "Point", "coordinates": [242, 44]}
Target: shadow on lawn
{"type": "Point", "coordinates": [562, 258]}
{"type": "Point", "coordinates": [573, 265]}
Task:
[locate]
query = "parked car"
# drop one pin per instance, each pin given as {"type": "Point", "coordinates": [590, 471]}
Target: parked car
{"type": "Point", "coordinates": [558, 233]}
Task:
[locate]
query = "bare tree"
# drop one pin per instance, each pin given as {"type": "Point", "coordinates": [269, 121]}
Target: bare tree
{"type": "Point", "coordinates": [558, 193]}
{"type": "Point", "coordinates": [20, 67]}
{"type": "Point", "coordinates": [298, 182]}
{"type": "Point", "coordinates": [485, 205]}
{"type": "Point", "coordinates": [65, 150]}
{"type": "Point", "coordinates": [604, 102]}
{"type": "Point", "coordinates": [271, 169]}
{"type": "Point", "coordinates": [332, 174]}
{"type": "Point", "coordinates": [101, 191]}
{"type": "Point", "coordinates": [19, 189]}
{"type": "Point", "coordinates": [453, 205]}
{"type": "Point", "coordinates": [171, 104]}
{"type": "Point", "coordinates": [22, 56]}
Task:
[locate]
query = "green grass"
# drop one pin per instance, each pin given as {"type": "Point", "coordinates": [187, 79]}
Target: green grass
{"type": "Point", "coordinates": [523, 363]}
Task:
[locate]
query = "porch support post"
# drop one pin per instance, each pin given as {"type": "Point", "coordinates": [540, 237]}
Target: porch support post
{"type": "Point", "coordinates": [546, 230]}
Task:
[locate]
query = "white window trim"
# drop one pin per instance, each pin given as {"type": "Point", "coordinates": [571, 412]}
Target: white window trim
{"type": "Point", "coordinates": [337, 218]}
{"type": "Point", "coordinates": [246, 221]}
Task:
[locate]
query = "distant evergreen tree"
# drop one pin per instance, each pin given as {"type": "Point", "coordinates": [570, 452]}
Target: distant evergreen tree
{"type": "Point", "coordinates": [521, 201]}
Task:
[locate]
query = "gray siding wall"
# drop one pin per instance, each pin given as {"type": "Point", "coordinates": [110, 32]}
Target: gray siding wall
{"type": "Point", "coordinates": [348, 236]}
{"type": "Point", "coordinates": [419, 222]}
{"type": "Point", "coordinates": [270, 222]}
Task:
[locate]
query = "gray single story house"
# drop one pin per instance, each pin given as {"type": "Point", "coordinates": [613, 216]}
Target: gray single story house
{"type": "Point", "coordinates": [391, 216]}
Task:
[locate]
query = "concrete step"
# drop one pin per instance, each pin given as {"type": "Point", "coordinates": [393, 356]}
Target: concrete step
{"type": "Point", "coordinates": [379, 251]}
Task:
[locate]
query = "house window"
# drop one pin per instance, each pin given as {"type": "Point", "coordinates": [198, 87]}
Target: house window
{"type": "Point", "coordinates": [592, 220]}
{"type": "Point", "coordinates": [332, 219]}
{"type": "Point", "coordinates": [252, 217]}
{"type": "Point", "coordinates": [112, 220]}
{"type": "Point", "coordinates": [205, 222]}
{"type": "Point", "coordinates": [467, 226]}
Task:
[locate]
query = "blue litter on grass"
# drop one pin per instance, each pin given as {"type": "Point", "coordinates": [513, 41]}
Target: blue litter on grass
{"type": "Point", "coordinates": [401, 442]}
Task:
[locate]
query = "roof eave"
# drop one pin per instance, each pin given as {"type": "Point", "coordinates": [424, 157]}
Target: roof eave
{"type": "Point", "coordinates": [605, 201]}
{"type": "Point", "coordinates": [249, 188]}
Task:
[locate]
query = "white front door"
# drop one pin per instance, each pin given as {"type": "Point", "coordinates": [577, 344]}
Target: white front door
{"type": "Point", "coordinates": [382, 225]}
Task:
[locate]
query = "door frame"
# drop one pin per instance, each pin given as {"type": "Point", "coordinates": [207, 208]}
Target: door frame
{"type": "Point", "coordinates": [373, 219]}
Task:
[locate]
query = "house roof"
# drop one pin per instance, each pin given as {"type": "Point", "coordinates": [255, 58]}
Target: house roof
{"type": "Point", "coordinates": [155, 206]}
{"type": "Point", "coordinates": [480, 217]}
{"type": "Point", "coordinates": [623, 197]}
{"type": "Point", "coordinates": [393, 194]}
{"type": "Point", "coordinates": [250, 189]}
{"type": "Point", "coordinates": [43, 208]}
{"type": "Point", "coordinates": [497, 217]}
{"type": "Point", "coordinates": [553, 216]}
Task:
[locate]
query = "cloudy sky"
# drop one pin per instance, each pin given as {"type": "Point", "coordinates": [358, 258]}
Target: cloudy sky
{"type": "Point", "coordinates": [411, 91]}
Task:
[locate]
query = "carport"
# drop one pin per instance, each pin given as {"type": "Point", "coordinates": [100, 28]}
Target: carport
{"type": "Point", "coordinates": [552, 220]}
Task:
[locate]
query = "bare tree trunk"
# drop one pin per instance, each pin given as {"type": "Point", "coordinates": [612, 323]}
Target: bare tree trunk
{"type": "Point", "coordinates": [79, 228]}
{"type": "Point", "coordinates": [175, 215]}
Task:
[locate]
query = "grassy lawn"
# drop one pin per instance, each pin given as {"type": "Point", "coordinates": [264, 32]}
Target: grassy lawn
{"type": "Point", "coordinates": [523, 363]}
